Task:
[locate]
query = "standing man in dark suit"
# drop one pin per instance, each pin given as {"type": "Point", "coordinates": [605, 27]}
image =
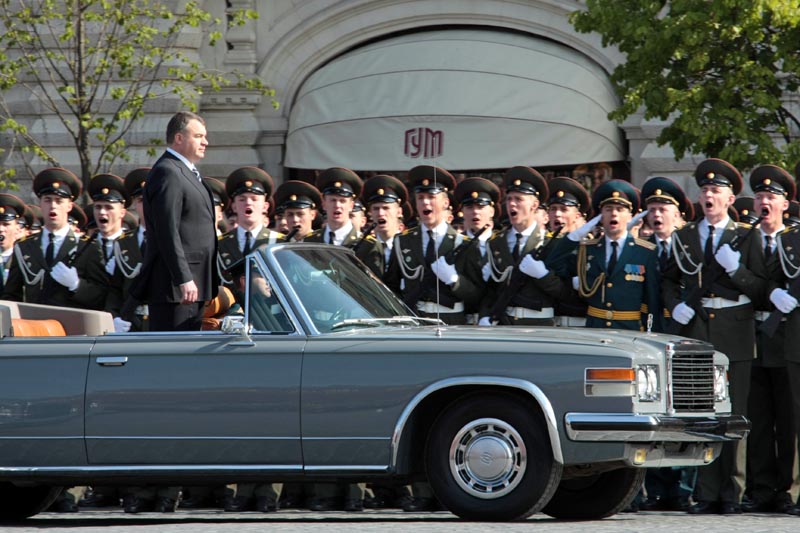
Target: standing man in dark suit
{"type": "Point", "coordinates": [179, 272]}
{"type": "Point", "coordinates": [725, 317]}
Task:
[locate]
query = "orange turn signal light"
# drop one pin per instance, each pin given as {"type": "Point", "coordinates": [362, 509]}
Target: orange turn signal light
{"type": "Point", "coordinates": [610, 374]}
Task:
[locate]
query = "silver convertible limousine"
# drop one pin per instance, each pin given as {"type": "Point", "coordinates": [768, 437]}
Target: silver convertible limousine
{"type": "Point", "coordinates": [328, 376]}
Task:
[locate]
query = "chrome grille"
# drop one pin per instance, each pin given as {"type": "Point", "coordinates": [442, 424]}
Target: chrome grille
{"type": "Point", "coordinates": [693, 381]}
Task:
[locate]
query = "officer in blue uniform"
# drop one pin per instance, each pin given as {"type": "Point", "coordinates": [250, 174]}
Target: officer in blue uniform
{"type": "Point", "coordinates": [617, 274]}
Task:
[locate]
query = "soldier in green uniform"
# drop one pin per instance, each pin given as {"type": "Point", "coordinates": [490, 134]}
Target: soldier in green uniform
{"type": "Point", "coordinates": [418, 270]}
{"type": "Point", "coordinates": [521, 289]}
{"type": "Point", "coordinates": [385, 196]}
{"type": "Point", "coordinates": [340, 187]}
{"type": "Point", "coordinates": [43, 271]}
{"type": "Point", "coordinates": [725, 315]}
{"type": "Point", "coordinates": [249, 190]}
{"type": "Point", "coordinates": [616, 274]}
{"type": "Point", "coordinates": [220, 199]}
{"type": "Point", "coordinates": [567, 207]}
{"type": "Point", "coordinates": [479, 201]}
{"type": "Point", "coordinates": [771, 445]}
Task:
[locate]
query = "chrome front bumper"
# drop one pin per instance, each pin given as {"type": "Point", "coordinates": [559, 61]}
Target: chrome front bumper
{"type": "Point", "coordinates": [629, 427]}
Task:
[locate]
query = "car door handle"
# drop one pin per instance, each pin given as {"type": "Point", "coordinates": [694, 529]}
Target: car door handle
{"type": "Point", "coordinates": [112, 361]}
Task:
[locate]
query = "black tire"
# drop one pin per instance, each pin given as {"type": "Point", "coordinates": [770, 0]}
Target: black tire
{"type": "Point", "coordinates": [499, 443]}
{"type": "Point", "coordinates": [597, 496]}
{"type": "Point", "coordinates": [17, 503]}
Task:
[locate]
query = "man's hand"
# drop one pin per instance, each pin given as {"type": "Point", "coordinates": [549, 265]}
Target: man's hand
{"type": "Point", "coordinates": [444, 271]}
{"type": "Point", "coordinates": [728, 258]}
{"type": "Point", "coordinates": [784, 302]}
{"type": "Point", "coordinates": [533, 267]}
{"type": "Point", "coordinates": [682, 314]}
{"type": "Point", "coordinates": [66, 276]}
{"type": "Point", "coordinates": [578, 234]}
{"type": "Point", "coordinates": [188, 292]}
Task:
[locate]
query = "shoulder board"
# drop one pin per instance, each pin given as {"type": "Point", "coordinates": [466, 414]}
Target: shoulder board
{"type": "Point", "coordinates": [646, 244]}
{"type": "Point", "coordinates": [788, 229]}
{"type": "Point", "coordinates": [743, 225]}
{"type": "Point", "coordinates": [589, 242]}
{"type": "Point", "coordinates": [129, 233]}
{"type": "Point", "coordinates": [407, 231]}
{"type": "Point", "coordinates": [309, 234]}
{"type": "Point", "coordinates": [26, 238]}
{"type": "Point", "coordinates": [464, 237]}
{"type": "Point", "coordinates": [86, 238]}
{"type": "Point", "coordinates": [370, 238]}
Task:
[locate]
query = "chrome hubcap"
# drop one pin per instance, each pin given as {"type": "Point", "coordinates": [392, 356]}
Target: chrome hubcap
{"type": "Point", "coordinates": [488, 458]}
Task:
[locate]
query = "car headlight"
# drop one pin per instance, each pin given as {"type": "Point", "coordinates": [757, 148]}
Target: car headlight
{"type": "Point", "coordinates": [720, 383]}
{"type": "Point", "coordinates": [647, 386]}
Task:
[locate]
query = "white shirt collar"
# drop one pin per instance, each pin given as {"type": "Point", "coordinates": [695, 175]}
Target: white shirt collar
{"type": "Point", "coordinates": [185, 161]}
{"type": "Point", "coordinates": [339, 234]}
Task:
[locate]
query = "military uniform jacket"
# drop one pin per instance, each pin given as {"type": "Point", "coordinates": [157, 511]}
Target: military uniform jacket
{"type": "Point", "coordinates": [529, 292]}
{"type": "Point", "coordinates": [730, 329]}
{"type": "Point", "coordinates": [784, 271]}
{"type": "Point", "coordinates": [127, 266]}
{"type": "Point", "coordinates": [368, 250]}
{"type": "Point", "coordinates": [228, 252]}
{"type": "Point", "coordinates": [621, 298]}
{"type": "Point", "coordinates": [407, 265]}
{"type": "Point", "coordinates": [29, 280]}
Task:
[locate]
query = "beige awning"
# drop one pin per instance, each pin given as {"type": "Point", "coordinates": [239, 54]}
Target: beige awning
{"type": "Point", "coordinates": [460, 99]}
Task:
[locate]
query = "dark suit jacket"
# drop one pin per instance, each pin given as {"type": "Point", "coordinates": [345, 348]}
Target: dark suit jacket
{"type": "Point", "coordinates": [181, 235]}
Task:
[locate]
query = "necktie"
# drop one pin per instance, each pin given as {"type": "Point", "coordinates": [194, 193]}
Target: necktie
{"type": "Point", "coordinates": [767, 246]}
{"type": "Point", "coordinates": [430, 249]}
{"type": "Point", "coordinates": [663, 256]}
{"type": "Point", "coordinates": [106, 254]}
{"type": "Point", "coordinates": [49, 254]}
{"type": "Point", "coordinates": [515, 253]}
{"type": "Point", "coordinates": [708, 251]}
{"type": "Point", "coordinates": [330, 237]}
{"type": "Point", "coordinates": [247, 243]}
{"type": "Point", "coordinates": [612, 261]}
{"type": "Point", "coordinates": [197, 174]}
{"type": "Point", "coordinates": [2, 272]}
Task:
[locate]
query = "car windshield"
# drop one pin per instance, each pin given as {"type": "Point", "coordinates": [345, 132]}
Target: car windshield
{"type": "Point", "coordinates": [337, 290]}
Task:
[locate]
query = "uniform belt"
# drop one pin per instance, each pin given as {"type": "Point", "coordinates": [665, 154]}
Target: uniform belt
{"type": "Point", "coordinates": [570, 321]}
{"type": "Point", "coordinates": [524, 312]}
{"type": "Point", "coordinates": [721, 303]}
{"type": "Point", "coordinates": [142, 310]}
{"type": "Point", "coordinates": [433, 307]}
{"type": "Point", "coordinates": [607, 314]}
{"type": "Point", "coordinates": [761, 316]}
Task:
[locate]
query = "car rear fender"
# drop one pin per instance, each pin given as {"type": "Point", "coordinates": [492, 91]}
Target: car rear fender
{"type": "Point", "coordinates": [474, 384]}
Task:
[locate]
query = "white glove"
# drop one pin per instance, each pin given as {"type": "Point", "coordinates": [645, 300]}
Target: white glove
{"type": "Point", "coordinates": [583, 231]}
{"type": "Point", "coordinates": [66, 276]}
{"type": "Point", "coordinates": [444, 271]}
{"type": "Point", "coordinates": [784, 302]}
{"type": "Point", "coordinates": [121, 326]}
{"type": "Point", "coordinates": [486, 271]}
{"type": "Point", "coordinates": [533, 267]}
{"type": "Point", "coordinates": [635, 220]}
{"type": "Point", "coordinates": [682, 314]}
{"type": "Point", "coordinates": [576, 282]}
{"type": "Point", "coordinates": [728, 258]}
{"type": "Point", "coordinates": [485, 321]}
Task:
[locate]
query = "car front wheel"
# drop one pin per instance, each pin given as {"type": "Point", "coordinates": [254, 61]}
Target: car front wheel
{"type": "Point", "coordinates": [489, 457]}
{"type": "Point", "coordinates": [18, 502]}
{"type": "Point", "coordinates": [595, 496]}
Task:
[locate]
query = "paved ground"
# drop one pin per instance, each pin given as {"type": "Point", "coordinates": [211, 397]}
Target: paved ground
{"type": "Point", "coordinates": [381, 521]}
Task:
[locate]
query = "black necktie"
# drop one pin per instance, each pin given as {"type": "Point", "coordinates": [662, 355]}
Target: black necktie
{"type": "Point", "coordinates": [767, 246]}
{"type": "Point", "coordinates": [515, 253]}
{"type": "Point", "coordinates": [430, 249]}
{"type": "Point", "coordinates": [612, 261]}
{"type": "Point", "coordinates": [663, 256]}
{"type": "Point", "coordinates": [708, 251]}
{"type": "Point", "coordinates": [49, 254]}
{"type": "Point", "coordinates": [106, 253]}
{"type": "Point", "coordinates": [330, 237]}
{"type": "Point", "coordinates": [247, 243]}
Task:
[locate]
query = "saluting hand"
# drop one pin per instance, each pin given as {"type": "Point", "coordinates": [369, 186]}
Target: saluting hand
{"type": "Point", "coordinates": [188, 292]}
{"type": "Point", "coordinates": [583, 231]}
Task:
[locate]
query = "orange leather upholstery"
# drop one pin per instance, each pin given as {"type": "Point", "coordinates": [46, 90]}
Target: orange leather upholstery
{"type": "Point", "coordinates": [26, 327]}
